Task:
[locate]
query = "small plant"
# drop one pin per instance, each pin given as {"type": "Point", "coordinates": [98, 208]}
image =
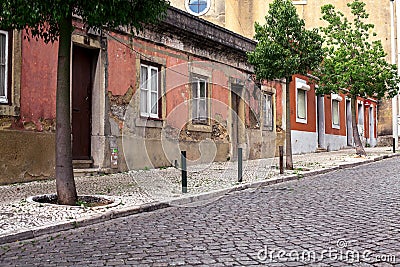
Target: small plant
{"type": "Point", "coordinates": [82, 203]}
{"type": "Point", "coordinates": [146, 168]}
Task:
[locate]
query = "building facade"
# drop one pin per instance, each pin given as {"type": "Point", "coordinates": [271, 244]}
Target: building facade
{"type": "Point", "coordinates": [136, 101]}
{"type": "Point", "coordinates": [240, 16]}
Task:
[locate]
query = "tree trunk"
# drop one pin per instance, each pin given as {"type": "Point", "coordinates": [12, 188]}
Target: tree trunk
{"type": "Point", "coordinates": [289, 161]}
{"type": "Point", "coordinates": [356, 136]}
{"type": "Point", "coordinates": [65, 183]}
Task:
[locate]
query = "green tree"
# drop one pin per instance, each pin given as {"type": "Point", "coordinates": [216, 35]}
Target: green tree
{"type": "Point", "coordinates": [353, 63]}
{"type": "Point", "coordinates": [51, 20]}
{"type": "Point", "coordinates": [285, 48]}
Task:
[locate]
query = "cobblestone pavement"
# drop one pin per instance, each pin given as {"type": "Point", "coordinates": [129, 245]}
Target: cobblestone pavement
{"type": "Point", "coordinates": [346, 217]}
{"type": "Point", "coordinates": [145, 186]}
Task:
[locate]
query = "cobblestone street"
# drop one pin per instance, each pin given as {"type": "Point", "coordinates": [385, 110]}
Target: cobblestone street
{"type": "Point", "coordinates": [346, 217]}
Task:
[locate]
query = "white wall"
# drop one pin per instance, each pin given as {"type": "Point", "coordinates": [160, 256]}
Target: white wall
{"type": "Point", "coordinates": [335, 142]}
{"type": "Point", "coordinates": [304, 142]}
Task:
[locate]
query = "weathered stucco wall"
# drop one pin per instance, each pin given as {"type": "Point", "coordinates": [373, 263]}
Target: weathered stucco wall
{"type": "Point", "coordinates": [38, 83]}
{"type": "Point", "coordinates": [26, 156]}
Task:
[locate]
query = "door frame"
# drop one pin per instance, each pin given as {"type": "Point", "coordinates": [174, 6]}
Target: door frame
{"type": "Point", "coordinates": [99, 141]}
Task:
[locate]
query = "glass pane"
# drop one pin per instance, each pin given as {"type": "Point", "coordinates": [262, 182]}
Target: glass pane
{"type": "Point", "coordinates": [202, 89]}
{"type": "Point", "coordinates": [197, 6]}
{"type": "Point", "coordinates": [2, 81]}
{"type": "Point", "coordinates": [195, 114]}
{"type": "Point", "coordinates": [335, 112]}
{"type": "Point", "coordinates": [143, 101]}
{"type": "Point", "coordinates": [154, 103]}
{"type": "Point", "coordinates": [2, 49]}
{"type": "Point", "coordinates": [268, 110]}
{"type": "Point", "coordinates": [195, 84]}
{"type": "Point", "coordinates": [143, 77]}
{"type": "Point", "coordinates": [203, 109]}
{"type": "Point", "coordinates": [154, 79]}
{"type": "Point", "coordinates": [360, 114]}
{"type": "Point", "coordinates": [301, 104]}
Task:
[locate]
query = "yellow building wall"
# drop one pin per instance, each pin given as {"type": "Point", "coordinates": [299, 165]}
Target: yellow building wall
{"type": "Point", "coordinates": [239, 15]}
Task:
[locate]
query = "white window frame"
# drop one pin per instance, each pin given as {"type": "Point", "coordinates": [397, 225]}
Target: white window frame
{"type": "Point", "coordinates": [268, 122]}
{"type": "Point", "coordinates": [299, 2]}
{"type": "Point", "coordinates": [301, 85]}
{"type": "Point", "coordinates": [145, 86]}
{"type": "Point", "coordinates": [200, 13]}
{"type": "Point", "coordinates": [335, 98]}
{"type": "Point", "coordinates": [196, 119]}
{"type": "Point", "coordinates": [336, 125]}
{"type": "Point", "coordinates": [4, 98]}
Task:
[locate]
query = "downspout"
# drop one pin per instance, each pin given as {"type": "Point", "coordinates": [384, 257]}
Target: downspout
{"type": "Point", "coordinates": [393, 58]}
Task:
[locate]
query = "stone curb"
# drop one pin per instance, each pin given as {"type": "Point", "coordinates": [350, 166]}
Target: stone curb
{"type": "Point", "coordinates": [180, 201]}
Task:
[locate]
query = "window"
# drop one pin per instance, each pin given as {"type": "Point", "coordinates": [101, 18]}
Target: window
{"type": "Point", "coordinates": [299, 2]}
{"type": "Point", "coordinates": [4, 40]}
{"type": "Point", "coordinates": [301, 104]}
{"type": "Point", "coordinates": [197, 7]}
{"type": "Point", "coordinates": [149, 90]}
{"type": "Point", "coordinates": [336, 99]}
{"type": "Point", "coordinates": [360, 114]}
{"type": "Point", "coordinates": [199, 101]}
{"type": "Point", "coordinates": [268, 112]}
{"type": "Point", "coordinates": [335, 114]}
{"type": "Point", "coordinates": [301, 100]}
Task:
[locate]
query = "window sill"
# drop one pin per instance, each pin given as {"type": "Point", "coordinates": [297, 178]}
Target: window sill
{"type": "Point", "coordinates": [304, 121]}
{"type": "Point", "coordinates": [7, 110]}
{"type": "Point", "coordinates": [149, 122]}
{"type": "Point", "coordinates": [199, 128]}
{"type": "Point", "coordinates": [336, 126]}
{"type": "Point", "coordinates": [268, 128]}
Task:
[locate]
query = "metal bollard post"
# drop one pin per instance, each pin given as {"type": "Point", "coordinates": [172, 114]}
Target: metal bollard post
{"type": "Point", "coordinates": [184, 172]}
{"type": "Point", "coordinates": [281, 159]}
{"type": "Point", "coordinates": [394, 145]}
{"type": "Point", "coordinates": [240, 164]}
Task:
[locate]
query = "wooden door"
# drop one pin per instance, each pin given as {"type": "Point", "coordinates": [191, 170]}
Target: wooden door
{"type": "Point", "coordinates": [82, 84]}
{"type": "Point", "coordinates": [235, 124]}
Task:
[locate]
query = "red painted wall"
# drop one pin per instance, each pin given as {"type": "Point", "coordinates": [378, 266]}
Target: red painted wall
{"type": "Point", "coordinates": [121, 66]}
{"type": "Point", "coordinates": [328, 116]}
{"type": "Point", "coordinates": [311, 125]}
{"type": "Point", "coordinates": [38, 80]}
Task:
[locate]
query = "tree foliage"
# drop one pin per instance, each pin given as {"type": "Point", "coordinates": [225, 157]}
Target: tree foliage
{"type": "Point", "coordinates": [42, 17]}
{"type": "Point", "coordinates": [285, 48]}
{"type": "Point", "coordinates": [353, 61]}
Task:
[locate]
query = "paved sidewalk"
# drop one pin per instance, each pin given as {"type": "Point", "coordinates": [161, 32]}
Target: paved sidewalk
{"type": "Point", "coordinates": [146, 190]}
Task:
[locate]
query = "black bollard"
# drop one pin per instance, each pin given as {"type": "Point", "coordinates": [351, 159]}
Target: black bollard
{"type": "Point", "coordinates": [240, 164]}
{"type": "Point", "coordinates": [184, 172]}
{"type": "Point", "coordinates": [394, 145]}
{"type": "Point", "coordinates": [281, 159]}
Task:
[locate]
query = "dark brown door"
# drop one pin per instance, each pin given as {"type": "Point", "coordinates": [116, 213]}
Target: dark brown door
{"type": "Point", "coordinates": [82, 83]}
{"type": "Point", "coordinates": [235, 123]}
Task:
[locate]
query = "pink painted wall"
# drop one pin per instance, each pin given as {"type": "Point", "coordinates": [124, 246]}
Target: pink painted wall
{"type": "Point", "coordinates": [38, 80]}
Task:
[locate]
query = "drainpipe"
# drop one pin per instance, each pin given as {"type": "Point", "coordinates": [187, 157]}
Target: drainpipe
{"type": "Point", "coordinates": [393, 55]}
